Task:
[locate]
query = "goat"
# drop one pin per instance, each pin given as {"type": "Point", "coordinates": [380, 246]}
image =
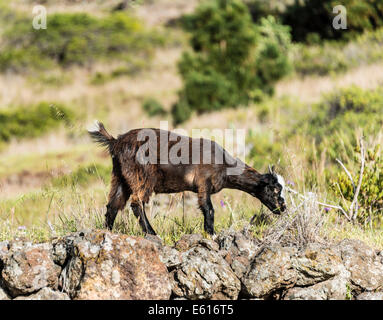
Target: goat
{"type": "Point", "coordinates": [136, 179]}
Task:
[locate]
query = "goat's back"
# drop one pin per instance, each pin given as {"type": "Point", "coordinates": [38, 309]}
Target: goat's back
{"type": "Point", "coordinates": [161, 161]}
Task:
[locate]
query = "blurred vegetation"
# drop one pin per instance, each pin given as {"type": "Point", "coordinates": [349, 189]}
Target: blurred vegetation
{"type": "Point", "coordinates": [83, 175]}
{"type": "Point", "coordinates": [132, 70]}
{"type": "Point", "coordinates": [153, 108]}
{"type": "Point", "coordinates": [30, 122]}
{"type": "Point", "coordinates": [233, 61]}
{"type": "Point", "coordinates": [332, 57]}
{"type": "Point", "coordinates": [311, 20]}
{"type": "Point", "coordinates": [325, 131]}
{"type": "Point", "coordinates": [370, 198]}
{"type": "Point", "coordinates": [75, 38]}
{"type": "Point", "coordinates": [335, 122]}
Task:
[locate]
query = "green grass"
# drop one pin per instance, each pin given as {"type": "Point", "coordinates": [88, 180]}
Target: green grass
{"type": "Point", "coordinates": [83, 175]}
{"type": "Point", "coordinates": [58, 212]}
{"type": "Point", "coordinates": [33, 121]}
{"type": "Point", "coordinates": [332, 57]}
{"type": "Point", "coordinates": [75, 39]}
{"type": "Point", "coordinates": [69, 158]}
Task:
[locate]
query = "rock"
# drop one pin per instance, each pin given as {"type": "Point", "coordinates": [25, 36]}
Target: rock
{"type": "Point", "coordinates": [204, 274]}
{"type": "Point", "coordinates": [187, 241]}
{"type": "Point", "coordinates": [59, 251]}
{"type": "Point", "coordinates": [316, 264]}
{"type": "Point", "coordinates": [101, 265]}
{"type": "Point", "coordinates": [3, 254]}
{"type": "Point", "coordinates": [370, 296]}
{"type": "Point", "coordinates": [209, 244]}
{"type": "Point", "coordinates": [380, 256]}
{"type": "Point", "coordinates": [237, 243]}
{"type": "Point", "coordinates": [238, 249]}
{"type": "Point", "coordinates": [112, 266]}
{"type": "Point", "coordinates": [3, 250]}
{"type": "Point", "coordinates": [333, 289]}
{"type": "Point", "coordinates": [155, 239]}
{"type": "Point", "coordinates": [170, 257]}
{"type": "Point", "coordinates": [29, 267]}
{"type": "Point", "coordinates": [239, 264]}
{"type": "Point", "coordinates": [45, 294]}
{"type": "Point", "coordinates": [363, 263]}
{"type": "Point", "coordinates": [3, 295]}
{"type": "Point", "coordinates": [309, 293]}
{"type": "Point", "coordinates": [269, 272]}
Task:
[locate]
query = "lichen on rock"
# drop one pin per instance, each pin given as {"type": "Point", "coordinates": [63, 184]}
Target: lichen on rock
{"type": "Point", "coordinates": [29, 267]}
{"type": "Point", "coordinates": [97, 264]}
{"type": "Point", "coordinates": [110, 266]}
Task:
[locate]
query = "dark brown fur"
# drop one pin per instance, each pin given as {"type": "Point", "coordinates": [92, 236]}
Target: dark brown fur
{"type": "Point", "coordinates": [131, 179]}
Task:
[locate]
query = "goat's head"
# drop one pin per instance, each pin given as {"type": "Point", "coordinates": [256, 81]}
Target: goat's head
{"type": "Point", "coordinates": [271, 192]}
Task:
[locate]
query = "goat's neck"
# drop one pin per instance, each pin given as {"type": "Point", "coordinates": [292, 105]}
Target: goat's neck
{"type": "Point", "coordinates": [247, 181]}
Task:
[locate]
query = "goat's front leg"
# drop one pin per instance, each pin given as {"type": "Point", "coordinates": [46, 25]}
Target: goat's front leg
{"type": "Point", "coordinates": [207, 209]}
{"type": "Point", "coordinates": [138, 208]}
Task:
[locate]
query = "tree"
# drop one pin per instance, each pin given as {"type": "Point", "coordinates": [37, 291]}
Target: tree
{"type": "Point", "coordinates": [233, 61]}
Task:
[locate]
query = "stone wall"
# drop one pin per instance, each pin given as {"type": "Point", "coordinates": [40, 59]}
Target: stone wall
{"type": "Point", "coordinates": [102, 265]}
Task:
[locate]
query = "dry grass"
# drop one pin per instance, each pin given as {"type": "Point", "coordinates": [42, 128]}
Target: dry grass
{"type": "Point", "coordinates": [310, 89]}
{"type": "Point", "coordinates": [159, 12]}
{"type": "Point", "coordinates": [301, 225]}
{"type": "Point", "coordinates": [153, 13]}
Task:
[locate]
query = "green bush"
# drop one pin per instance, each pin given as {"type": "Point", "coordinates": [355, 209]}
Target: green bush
{"type": "Point", "coordinates": [233, 61]}
{"type": "Point", "coordinates": [311, 20]}
{"type": "Point", "coordinates": [334, 56]}
{"type": "Point", "coordinates": [263, 8]}
{"type": "Point", "coordinates": [74, 38]}
{"type": "Point", "coordinates": [83, 176]}
{"type": "Point", "coordinates": [133, 68]}
{"type": "Point", "coordinates": [335, 120]}
{"type": "Point", "coordinates": [319, 59]}
{"type": "Point", "coordinates": [370, 198]}
{"type": "Point", "coordinates": [265, 147]}
{"type": "Point", "coordinates": [28, 122]}
{"type": "Point", "coordinates": [316, 17]}
{"type": "Point", "coordinates": [153, 108]}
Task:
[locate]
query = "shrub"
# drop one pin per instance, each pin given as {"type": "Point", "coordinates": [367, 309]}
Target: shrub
{"type": "Point", "coordinates": [370, 198]}
{"type": "Point", "coordinates": [74, 38]}
{"type": "Point", "coordinates": [233, 61]}
{"type": "Point", "coordinates": [311, 20]}
{"type": "Point", "coordinates": [263, 8]}
{"type": "Point", "coordinates": [319, 59]}
{"type": "Point", "coordinates": [83, 176]}
{"type": "Point", "coordinates": [153, 108]}
{"type": "Point", "coordinates": [132, 69]}
{"type": "Point", "coordinates": [265, 147]}
{"type": "Point", "coordinates": [338, 117]}
{"type": "Point", "coordinates": [27, 122]}
{"type": "Point", "coordinates": [334, 56]}
{"type": "Point", "coordinates": [316, 17]}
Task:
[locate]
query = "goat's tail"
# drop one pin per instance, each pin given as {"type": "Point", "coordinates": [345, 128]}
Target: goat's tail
{"type": "Point", "coordinates": [102, 137]}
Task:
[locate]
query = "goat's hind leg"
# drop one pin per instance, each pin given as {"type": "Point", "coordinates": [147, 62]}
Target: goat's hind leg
{"type": "Point", "coordinates": [118, 196]}
{"type": "Point", "coordinates": [138, 208]}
